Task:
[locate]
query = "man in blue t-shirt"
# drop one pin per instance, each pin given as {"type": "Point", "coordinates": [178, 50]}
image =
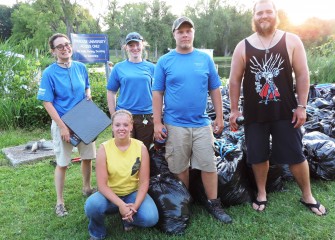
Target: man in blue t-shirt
{"type": "Point", "coordinates": [183, 78]}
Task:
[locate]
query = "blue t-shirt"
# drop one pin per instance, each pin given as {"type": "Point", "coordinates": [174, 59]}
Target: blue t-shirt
{"type": "Point", "coordinates": [64, 87]}
{"type": "Point", "coordinates": [134, 80]}
{"type": "Point", "coordinates": [185, 80]}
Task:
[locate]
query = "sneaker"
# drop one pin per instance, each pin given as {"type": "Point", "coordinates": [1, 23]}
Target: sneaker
{"type": "Point", "coordinates": [61, 210]}
{"type": "Point", "coordinates": [214, 207]}
{"type": "Point", "coordinates": [126, 226]}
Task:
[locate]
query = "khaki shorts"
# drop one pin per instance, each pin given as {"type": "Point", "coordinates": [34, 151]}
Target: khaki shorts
{"type": "Point", "coordinates": [63, 150]}
{"type": "Point", "coordinates": [190, 146]}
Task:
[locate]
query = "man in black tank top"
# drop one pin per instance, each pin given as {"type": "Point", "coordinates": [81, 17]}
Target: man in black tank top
{"type": "Point", "coordinates": [265, 62]}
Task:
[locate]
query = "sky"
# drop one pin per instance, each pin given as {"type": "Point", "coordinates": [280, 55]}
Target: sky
{"type": "Point", "coordinates": [297, 10]}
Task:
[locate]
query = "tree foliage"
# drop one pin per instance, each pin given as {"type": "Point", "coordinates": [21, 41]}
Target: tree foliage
{"type": "Point", "coordinates": [219, 24]}
{"type": "Point", "coordinates": [38, 20]}
{"type": "Point", "coordinates": [314, 32]}
{"type": "Point", "coordinates": [5, 22]}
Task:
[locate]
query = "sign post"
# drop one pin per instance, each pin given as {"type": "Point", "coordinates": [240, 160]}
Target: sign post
{"type": "Point", "coordinates": [91, 48]}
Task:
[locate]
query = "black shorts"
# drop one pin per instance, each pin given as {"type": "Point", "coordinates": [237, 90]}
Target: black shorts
{"type": "Point", "coordinates": [286, 142]}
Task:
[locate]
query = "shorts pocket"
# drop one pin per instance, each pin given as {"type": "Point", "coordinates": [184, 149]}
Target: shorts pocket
{"type": "Point", "coordinates": [168, 151]}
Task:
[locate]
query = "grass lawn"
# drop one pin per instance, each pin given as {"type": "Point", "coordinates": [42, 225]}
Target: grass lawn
{"type": "Point", "coordinates": [27, 200]}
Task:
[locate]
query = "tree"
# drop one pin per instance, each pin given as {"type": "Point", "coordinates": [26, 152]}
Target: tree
{"type": "Point", "coordinates": [158, 25]}
{"type": "Point", "coordinates": [37, 21]}
{"type": "Point", "coordinates": [5, 22]}
{"type": "Point", "coordinates": [314, 32]}
{"type": "Point", "coordinates": [219, 25]}
{"type": "Point", "coordinates": [152, 20]}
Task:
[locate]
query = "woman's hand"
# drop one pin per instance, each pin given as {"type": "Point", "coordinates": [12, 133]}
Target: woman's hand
{"type": "Point", "coordinates": [65, 133]}
{"type": "Point", "coordinates": [127, 212]}
{"type": "Point", "coordinates": [88, 96]}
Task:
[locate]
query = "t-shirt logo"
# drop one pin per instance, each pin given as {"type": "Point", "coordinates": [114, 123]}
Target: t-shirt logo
{"type": "Point", "coordinates": [265, 72]}
{"type": "Point", "coordinates": [136, 166]}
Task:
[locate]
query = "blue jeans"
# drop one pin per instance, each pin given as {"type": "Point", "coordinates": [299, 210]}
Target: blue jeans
{"type": "Point", "coordinates": [97, 206]}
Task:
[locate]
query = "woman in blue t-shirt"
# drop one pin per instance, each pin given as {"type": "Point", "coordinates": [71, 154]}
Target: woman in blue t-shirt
{"type": "Point", "coordinates": [133, 79]}
{"type": "Point", "coordinates": [64, 84]}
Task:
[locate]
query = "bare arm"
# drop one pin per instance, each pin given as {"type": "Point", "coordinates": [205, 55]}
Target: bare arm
{"type": "Point", "coordinates": [111, 101]}
{"type": "Point", "coordinates": [88, 94]}
{"type": "Point", "coordinates": [102, 180]}
{"type": "Point", "coordinates": [144, 176]}
{"type": "Point", "coordinates": [217, 103]}
{"type": "Point", "coordinates": [64, 130]}
{"type": "Point", "coordinates": [235, 79]}
{"type": "Point", "coordinates": [301, 72]}
{"type": "Point", "coordinates": [157, 105]}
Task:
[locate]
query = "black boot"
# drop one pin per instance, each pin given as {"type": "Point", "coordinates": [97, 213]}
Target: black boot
{"type": "Point", "coordinates": [214, 207]}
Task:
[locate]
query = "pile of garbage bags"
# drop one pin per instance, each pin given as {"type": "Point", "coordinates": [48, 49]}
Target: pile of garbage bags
{"type": "Point", "coordinates": [236, 183]}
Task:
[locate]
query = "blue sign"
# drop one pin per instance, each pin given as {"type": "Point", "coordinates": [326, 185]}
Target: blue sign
{"type": "Point", "coordinates": [90, 48]}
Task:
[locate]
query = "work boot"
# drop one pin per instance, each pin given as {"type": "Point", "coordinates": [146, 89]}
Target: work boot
{"type": "Point", "coordinates": [214, 207]}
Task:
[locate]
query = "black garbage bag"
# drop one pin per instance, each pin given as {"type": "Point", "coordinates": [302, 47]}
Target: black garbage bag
{"type": "Point", "coordinates": [275, 181]}
{"type": "Point", "coordinates": [326, 126]}
{"type": "Point", "coordinates": [312, 125]}
{"type": "Point", "coordinates": [312, 93]}
{"type": "Point", "coordinates": [196, 188]}
{"type": "Point", "coordinates": [321, 103]}
{"type": "Point", "coordinates": [316, 136]}
{"type": "Point", "coordinates": [287, 175]}
{"type": "Point", "coordinates": [317, 114]}
{"type": "Point", "coordinates": [158, 164]}
{"type": "Point", "coordinates": [173, 203]}
{"type": "Point", "coordinates": [320, 155]}
{"type": "Point", "coordinates": [233, 186]}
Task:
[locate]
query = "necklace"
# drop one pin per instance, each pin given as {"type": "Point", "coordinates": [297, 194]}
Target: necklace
{"type": "Point", "coordinates": [66, 64]}
{"type": "Point", "coordinates": [267, 49]}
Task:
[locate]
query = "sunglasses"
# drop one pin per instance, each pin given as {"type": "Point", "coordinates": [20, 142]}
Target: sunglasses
{"type": "Point", "coordinates": [61, 47]}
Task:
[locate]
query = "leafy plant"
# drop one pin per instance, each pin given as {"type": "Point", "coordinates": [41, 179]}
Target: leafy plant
{"type": "Point", "coordinates": [99, 93]}
{"type": "Point", "coordinates": [321, 61]}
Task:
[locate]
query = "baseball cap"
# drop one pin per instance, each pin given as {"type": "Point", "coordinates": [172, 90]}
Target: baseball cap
{"type": "Point", "coordinates": [133, 36]}
{"type": "Point", "coordinates": [179, 21]}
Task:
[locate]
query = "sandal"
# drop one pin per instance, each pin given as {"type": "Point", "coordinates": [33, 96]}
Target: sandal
{"type": "Point", "coordinates": [89, 192]}
{"type": "Point", "coordinates": [310, 206]}
{"type": "Point", "coordinates": [61, 210]}
{"type": "Point", "coordinates": [259, 204]}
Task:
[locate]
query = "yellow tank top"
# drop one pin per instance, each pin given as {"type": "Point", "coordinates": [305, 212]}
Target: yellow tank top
{"type": "Point", "coordinates": [123, 166]}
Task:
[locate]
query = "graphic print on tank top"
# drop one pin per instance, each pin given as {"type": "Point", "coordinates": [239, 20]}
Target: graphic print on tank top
{"type": "Point", "coordinates": [266, 70]}
{"type": "Point", "coordinates": [136, 166]}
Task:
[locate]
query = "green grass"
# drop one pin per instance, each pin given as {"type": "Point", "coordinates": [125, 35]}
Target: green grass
{"type": "Point", "coordinates": [27, 198]}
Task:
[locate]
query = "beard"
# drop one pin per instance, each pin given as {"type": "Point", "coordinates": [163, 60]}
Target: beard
{"type": "Point", "coordinates": [270, 28]}
{"type": "Point", "coordinates": [185, 46]}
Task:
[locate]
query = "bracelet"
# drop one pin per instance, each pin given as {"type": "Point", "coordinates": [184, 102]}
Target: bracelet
{"type": "Point", "coordinates": [302, 106]}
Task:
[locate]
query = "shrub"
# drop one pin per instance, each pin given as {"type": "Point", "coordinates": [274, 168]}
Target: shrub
{"type": "Point", "coordinates": [321, 61]}
{"type": "Point", "coordinates": [99, 93]}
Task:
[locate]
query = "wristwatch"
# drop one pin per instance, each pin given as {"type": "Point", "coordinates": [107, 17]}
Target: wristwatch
{"type": "Point", "coordinates": [302, 106]}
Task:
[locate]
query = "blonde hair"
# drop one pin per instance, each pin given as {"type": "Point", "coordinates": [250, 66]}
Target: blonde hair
{"type": "Point", "coordinates": [124, 112]}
